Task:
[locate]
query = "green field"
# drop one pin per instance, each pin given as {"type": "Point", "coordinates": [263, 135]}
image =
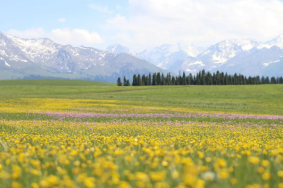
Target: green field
{"type": "Point", "coordinates": [249, 99]}
{"type": "Point", "coordinates": [84, 134]}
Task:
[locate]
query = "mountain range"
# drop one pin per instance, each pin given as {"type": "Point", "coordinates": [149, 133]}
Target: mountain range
{"type": "Point", "coordinates": [248, 57]}
{"type": "Point", "coordinates": [43, 58]}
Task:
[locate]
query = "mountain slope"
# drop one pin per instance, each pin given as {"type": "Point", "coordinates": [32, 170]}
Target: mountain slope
{"type": "Point", "coordinates": [44, 58]}
{"type": "Point", "coordinates": [163, 56]}
{"type": "Point", "coordinates": [264, 61]}
{"type": "Point", "coordinates": [247, 57]}
{"type": "Point", "coordinates": [118, 49]}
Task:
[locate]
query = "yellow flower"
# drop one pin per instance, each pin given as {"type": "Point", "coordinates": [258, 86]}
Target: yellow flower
{"type": "Point", "coordinates": [265, 163]}
{"type": "Point", "coordinates": [221, 163]}
{"type": "Point", "coordinates": [164, 163]}
{"type": "Point", "coordinates": [34, 185]}
{"type": "Point", "coordinates": [223, 174]}
{"type": "Point", "coordinates": [16, 184]}
{"type": "Point", "coordinates": [89, 182]}
{"type": "Point", "coordinates": [200, 155]}
{"type": "Point", "coordinates": [199, 184]}
{"type": "Point", "coordinates": [161, 185]}
{"type": "Point", "coordinates": [189, 179]}
{"type": "Point", "coordinates": [260, 170]}
{"type": "Point", "coordinates": [44, 183]}
{"type": "Point", "coordinates": [175, 174]}
{"type": "Point", "coordinates": [52, 180]}
{"type": "Point", "coordinates": [254, 160]}
{"type": "Point", "coordinates": [158, 176]}
{"type": "Point", "coordinates": [266, 176]}
{"type": "Point", "coordinates": [142, 177]}
{"type": "Point", "coordinates": [124, 184]}
{"type": "Point", "coordinates": [233, 181]}
{"type": "Point", "coordinates": [280, 174]}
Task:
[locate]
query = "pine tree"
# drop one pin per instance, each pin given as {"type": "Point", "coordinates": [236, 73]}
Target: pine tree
{"type": "Point", "coordinates": [162, 80]}
{"type": "Point", "coordinates": [203, 82]}
{"type": "Point", "coordinates": [119, 83]}
{"type": "Point", "coordinates": [154, 79]}
{"type": "Point", "coordinates": [139, 81]}
{"type": "Point", "coordinates": [158, 76]}
{"type": "Point", "coordinates": [169, 78]}
{"type": "Point", "coordinates": [149, 79]}
{"type": "Point", "coordinates": [184, 81]}
{"type": "Point", "coordinates": [134, 80]}
{"type": "Point", "coordinates": [125, 81]}
{"type": "Point", "coordinates": [143, 80]}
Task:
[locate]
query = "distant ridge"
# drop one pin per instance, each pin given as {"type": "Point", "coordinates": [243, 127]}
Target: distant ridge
{"type": "Point", "coordinates": [247, 56]}
{"type": "Point", "coordinates": [36, 58]}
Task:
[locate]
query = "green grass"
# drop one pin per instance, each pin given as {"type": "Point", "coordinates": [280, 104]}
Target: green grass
{"type": "Point", "coordinates": [250, 99]}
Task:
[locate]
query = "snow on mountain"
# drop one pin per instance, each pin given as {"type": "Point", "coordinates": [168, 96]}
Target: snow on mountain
{"type": "Point", "coordinates": [227, 49]}
{"type": "Point", "coordinates": [166, 55]}
{"type": "Point", "coordinates": [245, 56]}
{"type": "Point", "coordinates": [278, 41]}
{"type": "Point", "coordinates": [43, 57]}
{"type": "Point", "coordinates": [162, 56]}
{"type": "Point", "coordinates": [118, 49]}
{"type": "Point", "coordinates": [265, 61]}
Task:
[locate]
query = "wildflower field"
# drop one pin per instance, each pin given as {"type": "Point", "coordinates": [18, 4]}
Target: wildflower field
{"type": "Point", "coordinates": [86, 134]}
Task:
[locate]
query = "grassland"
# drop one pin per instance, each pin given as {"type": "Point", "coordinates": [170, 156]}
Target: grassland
{"type": "Point", "coordinates": [66, 133]}
{"type": "Point", "coordinates": [255, 99]}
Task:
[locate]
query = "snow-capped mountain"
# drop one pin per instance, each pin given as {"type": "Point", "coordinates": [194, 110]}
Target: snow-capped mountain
{"type": "Point", "coordinates": [264, 61]}
{"type": "Point", "coordinates": [166, 55]}
{"type": "Point", "coordinates": [163, 56]}
{"type": "Point", "coordinates": [217, 55]}
{"type": "Point", "coordinates": [24, 57]}
{"type": "Point", "coordinates": [278, 41]}
{"type": "Point", "coordinates": [242, 56]}
{"type": "Point", "coordinates": [118, 49]}
{"type": "Point", "coordinates": [245, 56]}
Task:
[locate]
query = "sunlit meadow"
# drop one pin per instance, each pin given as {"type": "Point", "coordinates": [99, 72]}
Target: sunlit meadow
{"type": "Point", "coordinates": [118, 141]}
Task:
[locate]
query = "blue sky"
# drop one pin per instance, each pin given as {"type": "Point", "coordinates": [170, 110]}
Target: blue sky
{"type": "Point", "coordinates": [141, 24]}
{"type": "Point", "coordinates": [23, 15]}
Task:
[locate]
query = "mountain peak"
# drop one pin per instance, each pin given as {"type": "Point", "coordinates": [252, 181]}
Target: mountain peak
{"type": "Point", "coordinates": [118, 49]}
{"type": "Point", "coordinates": [278, 41]}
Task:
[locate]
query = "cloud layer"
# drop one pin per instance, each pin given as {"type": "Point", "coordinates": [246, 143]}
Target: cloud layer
{"type": "Point", "coordinates": [75, 37]}
{"type": "Point", "coordinates": [148, 23]}
{"type": "Point", "coordinates": [202, 22]}
{"type": "Point", "coordinates": [99, 8]}
{"type": "Point", "coordinates": [61, 20]}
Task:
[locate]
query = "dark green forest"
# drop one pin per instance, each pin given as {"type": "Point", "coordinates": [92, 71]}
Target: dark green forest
{"type": "Point", "coordinates": [201, 78]}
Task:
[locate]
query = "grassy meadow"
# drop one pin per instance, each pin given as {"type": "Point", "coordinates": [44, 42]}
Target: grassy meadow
{"type": "Point", "coordinates": [67, 133]}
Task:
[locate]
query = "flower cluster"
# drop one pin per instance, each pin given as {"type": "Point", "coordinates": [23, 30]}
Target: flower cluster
{"type": "Point", "coordinates": [139, 154]}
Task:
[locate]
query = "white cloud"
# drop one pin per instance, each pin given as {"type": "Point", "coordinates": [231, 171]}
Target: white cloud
{"type": "Point", "coordinates": [202, 22]}
{"type": "Point", "coordinates": [99, 8]}
{"type": "Point", "coordinates": [61, 20]}
{"type": "Point", "coordinates": [75, 37]}
{"type": "Point", "coordinates": [30, 33]}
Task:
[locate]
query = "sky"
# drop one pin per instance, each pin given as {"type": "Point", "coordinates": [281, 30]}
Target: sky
{"type": "Point", "coordinates": [142, 24]}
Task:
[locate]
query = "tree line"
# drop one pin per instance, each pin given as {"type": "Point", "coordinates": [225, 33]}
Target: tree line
{"type": "Point", "coordinates": [201, 78]}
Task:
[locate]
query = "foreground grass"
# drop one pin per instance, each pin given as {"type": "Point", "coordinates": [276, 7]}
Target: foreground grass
{"type": "Point", "coordinates": [137, 154]}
